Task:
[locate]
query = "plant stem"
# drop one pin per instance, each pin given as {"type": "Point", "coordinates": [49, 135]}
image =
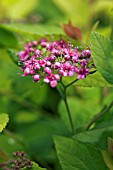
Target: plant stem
{"type": "Point", "coordinates": [91, 72]}
{"type": "Point", "coordinates": [64, 97]}
{"type": "Point", "coordinates": [62, 92]}
{"type": "Point", "coordinates": [98, 116]}
{"type": "Point", "coordinates": [69, 114]}
{"type": "Point", "coordinates": [71, 83]}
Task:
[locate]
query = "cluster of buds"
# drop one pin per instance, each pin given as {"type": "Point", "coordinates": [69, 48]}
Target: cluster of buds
{"type": "Point", "coordinates": [50, 61]}
{"type": "Point", "coordinates": [19, 161]}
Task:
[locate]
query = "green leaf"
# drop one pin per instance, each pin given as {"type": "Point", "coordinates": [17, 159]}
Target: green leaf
{"type": "Point", "coordinates": [97, 136]}
{"type": "Point", "coordinates": [3, 121]}
{"type": "Point", "coordinates": [78, 156]}
{"type": "Point", "coordinates": [7, 39]}
{"type": "Point", "coordinates": [13, 55]}
{"type": "Point", "coordinates": [92, 80]}
{"type": "Point", "coordinates": [36, 29]}
{"type": "Point", "coordinates": [27, 32]}
{"type": "Point", "coordinates": [35, 167]}
{"type": "Point", "coordinates": [102, 53]}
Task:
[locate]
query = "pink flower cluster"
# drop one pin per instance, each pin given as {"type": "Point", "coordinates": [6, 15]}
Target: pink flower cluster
{"type": "Point", "coordinates": [52, 60]}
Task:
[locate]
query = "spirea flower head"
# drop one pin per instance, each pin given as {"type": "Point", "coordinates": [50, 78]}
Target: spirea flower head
{"type": "Point", "coordinates": [50, 61]}
{"type": "Point", "coordinates": [19, 161]}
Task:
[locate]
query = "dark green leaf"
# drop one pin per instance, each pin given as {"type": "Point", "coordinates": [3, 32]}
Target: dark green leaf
{"type": "Point", "coordinates": [7, 39]}
{"type": "Point", "coordinates": [13, 55]}
{"type": "Point", "coordinates": [97, 137]}
{"type": "Point", "coordinates": [102, 53]}
{"type": "Point", "coordinates": [78, 156]}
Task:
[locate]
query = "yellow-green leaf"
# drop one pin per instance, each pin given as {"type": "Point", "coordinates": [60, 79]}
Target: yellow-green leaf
{"type": "Point", "coordinates": [3, 121]}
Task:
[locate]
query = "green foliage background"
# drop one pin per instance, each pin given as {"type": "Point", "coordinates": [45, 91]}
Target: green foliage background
{"type": "Point", "coordinates": [37, 112]}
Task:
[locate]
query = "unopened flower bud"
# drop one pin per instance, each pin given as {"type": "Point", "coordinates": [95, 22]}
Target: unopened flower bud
{"type": "Point", "coordinates": [36, 78]}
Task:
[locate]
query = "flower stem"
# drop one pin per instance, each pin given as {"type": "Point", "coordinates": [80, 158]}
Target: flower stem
{"type": "Point", "coordinates": [91, 72]}
{"type": "Point", "coordinates": [69, 114]}
{"type": "Point", "coordinates": [64, 97]}
{"type": "Point", "coordinates": [71, 83]}
{"type": "Point", "coordinates": [98, 116]}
